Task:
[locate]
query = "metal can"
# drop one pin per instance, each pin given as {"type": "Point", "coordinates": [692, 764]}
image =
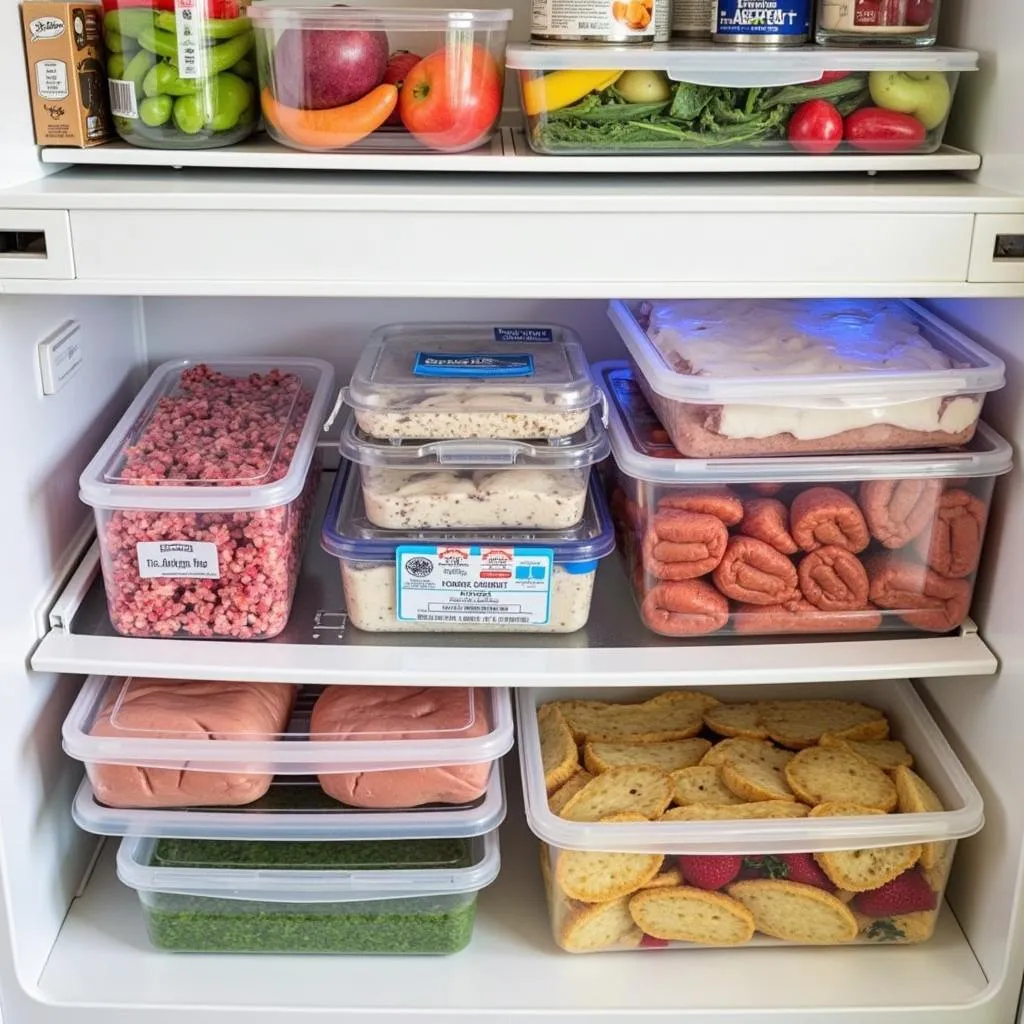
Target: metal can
{"type": "Point", "coordinates": [762, 22]}
{"type": "Point", "coordinates": [691, 19]}
{"type": "Point", "coordinates": [615, 22]}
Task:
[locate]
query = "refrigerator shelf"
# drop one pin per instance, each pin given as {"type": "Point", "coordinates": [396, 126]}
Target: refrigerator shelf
{"type": "Point", "coordinates": [319, 646]}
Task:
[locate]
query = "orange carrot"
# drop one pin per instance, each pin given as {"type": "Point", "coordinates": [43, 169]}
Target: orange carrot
{"type": "Point", "coordinates": [334, 128]}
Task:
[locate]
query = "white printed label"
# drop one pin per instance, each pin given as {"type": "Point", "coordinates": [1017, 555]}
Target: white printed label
{"type": "Point", "coordinates": [188, 17]}
{"type": "Point", "coordinates": [191, 559]}
{"type": "Point", "coordinates": [52, 79]}
{"type": "Point", "coordinates": [45, 28]}
{"type": "Point", "coordinates": [122, 98]}
{"type": "Point", "coordinates": [477, 585]}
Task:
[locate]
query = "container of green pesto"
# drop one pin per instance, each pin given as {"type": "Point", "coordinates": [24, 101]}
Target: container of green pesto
{"type": "Point", "coordinates": [390, 896]}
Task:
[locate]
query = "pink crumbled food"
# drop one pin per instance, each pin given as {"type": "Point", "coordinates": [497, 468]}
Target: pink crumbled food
{"type": "Point", "coordinates": [214, 430]}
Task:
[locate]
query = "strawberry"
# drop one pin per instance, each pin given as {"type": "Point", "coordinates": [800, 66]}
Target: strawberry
{"type": "Point", "coordinates": [400, 63]}
{"type": "Point", "coordinates": [802, 867]}
{"type": "Point", "coordinates": [906, 894]}
{"type": "Point", "coordinates": [710, 872]}
{"type": "Point", "coordinates": [650, 942]}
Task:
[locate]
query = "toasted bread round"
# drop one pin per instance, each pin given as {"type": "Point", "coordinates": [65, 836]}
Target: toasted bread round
{"type": "Point", "coordinates": [637, 789]}
{"type": "Point", "coordinates": [702, 785]}
{"type": "Point", "coordinates": [755, 781]}
{"type": "Point", "coordinates": [684, 914]}
{"type": "Point", "coordinates": [577, 713]}
{"type": "Point", "coordinates": [904, 929]}
{"type": "Point", "coordinates": [668, 755]}
{"type": "Point", "coordinates": [796, 912]}
{"type": "Point", "coordinates": [885, 754]}
{"type": "Point", "coordinates": [665, 879]}
{"type": "Point", "coordinates": [915, 796]}
{"type": "Point", "coordinates": [596, 876]}
{"type": "Point", "coordinates": [600, 926]}
{"type": "Point", "coordinates": [558, 752]}
{"type": "Point", "coordinates": [737, 812]}
{"type": "Point", "coordinates": [562, 795]}
{"type": "Point", "coordinates": [736, 720]}
{"type": "Point", "coordinates": [800, 723]}
{"type": "Point", "coordinates": [676, 715]}
{"type": "Point", "coordinates": [743, 748]}
{"type": "Point", "coordinates": [821, 775]}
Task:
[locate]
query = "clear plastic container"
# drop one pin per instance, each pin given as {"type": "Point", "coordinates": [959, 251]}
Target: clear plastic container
{"type": "Point", "coordinates": [475, 484]}
{"type": "Point", "coordinates": [379, 79]}
{"type": "Point", "coordinates": [398, 897]}
{"type": "Point", "coordinates": [294, 808]}
{"type": "Point", "coordinates": [792, 376]}
{"type": "Point", "coordinates": [695, 862]}
{"type": "Point", "coordinates": [182, 73]}
{"type": "Point", "coordinates": [183, 743]}
{"type": "Point", "coordinates": [877, 22]}
{"type": "Point", "coordinates": [457, 381]}
{"type": "Point", "coordinates": [455, 581]}
{"type": "Point", "coordinates": [801, 544]}
{"type": "Point", "coordinates": [203, 495]}
{"type": "Point", "coordinates": [693, 98]}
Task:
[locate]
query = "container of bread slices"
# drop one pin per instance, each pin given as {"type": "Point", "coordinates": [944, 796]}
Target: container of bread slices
{"type": "Point", "coordinates": [744, 816]}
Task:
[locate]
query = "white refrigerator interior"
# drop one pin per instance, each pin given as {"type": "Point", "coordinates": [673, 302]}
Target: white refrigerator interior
{"type": "Point", "coordinates": [158, 264]}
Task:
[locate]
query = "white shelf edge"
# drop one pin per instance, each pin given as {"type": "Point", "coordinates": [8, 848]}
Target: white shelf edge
{"type": "Point", "coordinates": [509, 153]}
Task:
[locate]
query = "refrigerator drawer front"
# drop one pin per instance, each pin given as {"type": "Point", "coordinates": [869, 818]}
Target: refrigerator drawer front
{"type": "Point", "coordinates": [35, 244]}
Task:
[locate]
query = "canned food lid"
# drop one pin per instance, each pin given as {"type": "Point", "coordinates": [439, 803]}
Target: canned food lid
{"type": "Point", "coordinates": [704, 64]}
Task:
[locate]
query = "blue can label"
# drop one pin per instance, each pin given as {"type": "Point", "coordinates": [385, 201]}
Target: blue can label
{"type": "Point", "coordinates": [479, 364]}
{"type": "Point", "coordinates": [524, 335]}
{"type": "Point", "coordinates": [764, 17]}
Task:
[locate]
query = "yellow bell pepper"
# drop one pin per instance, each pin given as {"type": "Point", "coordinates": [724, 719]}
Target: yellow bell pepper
{"type": "Point", "coordinates": [561, 88]}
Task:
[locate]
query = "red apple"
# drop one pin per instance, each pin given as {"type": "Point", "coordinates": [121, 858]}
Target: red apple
{"type": "Point", "coordinates": [314, 69]}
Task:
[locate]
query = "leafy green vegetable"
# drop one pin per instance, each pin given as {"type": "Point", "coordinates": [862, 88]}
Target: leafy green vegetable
{"type": "Point", "coordinates": [885, 930]}
{"type": "Point", "coordinates": [697, 117]}
{"type": "Point", "coordinates": [442, 924]}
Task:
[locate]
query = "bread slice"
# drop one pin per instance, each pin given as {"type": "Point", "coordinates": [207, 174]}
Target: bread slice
{"type": "Point", "coordinates": [736, 812]}
{"type": "Point", "coordinates": [684, 914]}
{"type": "Point", "coordinates": [743, 748]}
{"type": "Point", "coordinates": [915, 796]}
{"type": "Point", "coordinates": [862, 870]}
{"type": "Point", "coordinates": [796, 912]}
{"type": "Point", "coordinates": [676, 715]}
{"type": "Point", "coordinates": [667, 755]}
{"type": "Point", "coordinates": [562, 795]}
{"type": "Point", "coordinates": [600, 926]}
{"type": "Point", "coordinates": [820, 775]}
{"type": "Point", "coordinates": [702, 785]}
{"type": "Point", "coordinates": [885, 754]}
{"type": "Point", "coordinates": [901, 929]}
{"type": "Point", "coordinates": [665, 879]}
{"type": "Point", "coordinates": [558, 752]}
{"type": "Point", "coordinates": [800, 723]}
{"type": "Point", "coordinates": [753, 781]}
{"type": "Point", "coordinates": [736, 720]}
{"type": "Point", "coordinates": [635, 789]}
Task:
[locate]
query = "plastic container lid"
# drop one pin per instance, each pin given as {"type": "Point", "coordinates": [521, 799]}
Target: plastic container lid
{"type": "Point", "coordinates": [587, 447]}
{"type": "Point", "coordinates": [322, 872]}
{"type": "Point", "coordinates": [847, 321]}
{"type": "Point", "coordinates": [643, 456]}
{"type": "Point", "coordinates": [296, 751]}
{"type": "Point", "coordinates": [306, 15]}
{"type": "Point", "coordinates": [934, 760]}
{"type": "Point", "coordinates": [104, 485]}
{"type": "Point", "coordinates": [348, 534]}
{"type": "Point", "coordinates": [294, 809]}
{"type": "Point", "coordinates": [745, 67]}
{"type": "Point", "coordinates": [405, 365]}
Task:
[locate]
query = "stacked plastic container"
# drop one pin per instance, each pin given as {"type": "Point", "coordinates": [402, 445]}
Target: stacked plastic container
{"type": "Point", "coordinates": [468, 503]}
{"type": "Point", "coordinates": [273, 818]}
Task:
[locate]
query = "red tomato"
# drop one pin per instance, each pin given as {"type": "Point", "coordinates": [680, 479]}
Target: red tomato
{"type": "Point", "coordinates": [400, 63]}
{"type": "Point", "coordinates": [831, 76]}
{"type": "Point", "coordinates": [815, 127]}
{"type": "Point", "coordinates": [884, 131]}
{"type": "Point", "coordinates": [919, 12]}
{"type": "Point", "coordinates": [451, 99]}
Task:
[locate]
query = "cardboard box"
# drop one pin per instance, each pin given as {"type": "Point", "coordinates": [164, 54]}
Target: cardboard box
{"type": "Point", "coordinates": [67, 77]}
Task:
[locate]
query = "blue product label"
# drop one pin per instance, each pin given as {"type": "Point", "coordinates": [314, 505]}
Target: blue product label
{"type": "Point", "coordinates": [476, 364]}
{"type": "Point", "coordinates": [524, 335]}
{"type": "Point", "coordinates": [764, 17]}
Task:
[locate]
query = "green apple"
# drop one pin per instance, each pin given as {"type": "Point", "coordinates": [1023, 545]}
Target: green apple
{"type": "Point", "coordinates": [925, 94]}
{"type": "Point", "coordinates": [644, 87]}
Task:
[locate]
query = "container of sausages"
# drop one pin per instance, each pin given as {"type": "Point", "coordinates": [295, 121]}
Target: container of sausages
{"type": "Point", "coordinates": [812, 544]}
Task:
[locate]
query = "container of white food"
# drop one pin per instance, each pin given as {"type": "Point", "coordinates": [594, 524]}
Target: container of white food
{"type": "Point", "coordinates": [475, 484]}
{"type": "Point", "coordinates": [455, 581]}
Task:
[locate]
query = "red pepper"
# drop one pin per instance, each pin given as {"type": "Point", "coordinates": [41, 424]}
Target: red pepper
{"type": "Point", "coordinates": [884, 131]}
{"type": "Point", "coordinates": [832, 76]}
